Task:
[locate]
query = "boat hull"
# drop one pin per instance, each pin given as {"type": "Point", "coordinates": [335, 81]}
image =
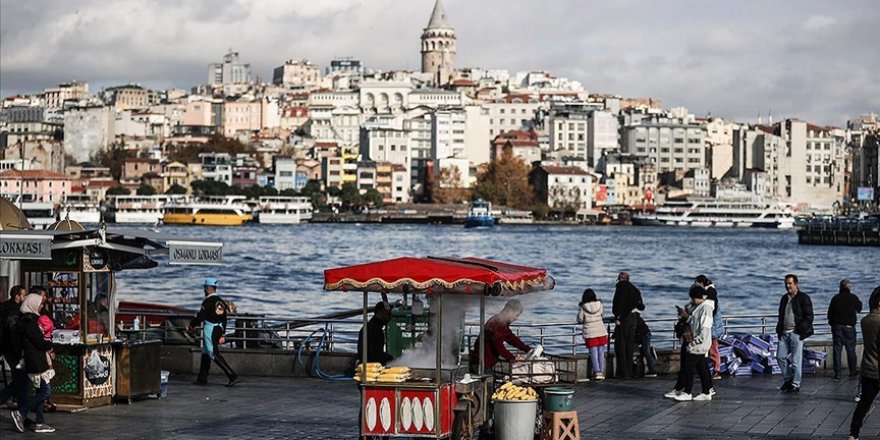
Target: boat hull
{"type": "Point", "coordinates": [280, 219]}
{"type": "Point", "coordinates": [207, 219]}
{"type": "Point", "coordinates": [479, 222]}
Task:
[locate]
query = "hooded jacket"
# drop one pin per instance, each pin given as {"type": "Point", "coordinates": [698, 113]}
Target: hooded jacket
{"type": "Point", "coordinates": [802, 307]}
{"type": "Point", "coordinates": [700, 323]}
{"type": "Point", "coordinates": [871, 336]}
{"type": "Point", "coordinates": [590, 315]}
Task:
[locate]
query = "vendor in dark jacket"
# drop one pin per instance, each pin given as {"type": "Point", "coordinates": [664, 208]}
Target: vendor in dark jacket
{"type": "Point", "coordinates": [870, 364]}
{"type": "Point", "coordinates": [627, 298]}
{"type": "Point", "coordinates": [35, 347]}
{"type": "Point", "coordinates": [10, 345]}
{"type": "Point", "coordinates": [212, 316]}
{"type": "Point", "coordinates": [842, 313]}
{"type": "Point", "coordinates": [375, 335]}
{"type": "Point", "coordinates": [794, 325]}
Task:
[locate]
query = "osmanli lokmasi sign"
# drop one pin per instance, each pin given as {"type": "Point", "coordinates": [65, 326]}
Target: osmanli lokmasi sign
{"type": "Point", "coordinates": [180, 252]}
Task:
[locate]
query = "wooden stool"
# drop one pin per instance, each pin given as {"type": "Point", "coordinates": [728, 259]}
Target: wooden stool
{"type": "Point", "coordinates": [560, 425]}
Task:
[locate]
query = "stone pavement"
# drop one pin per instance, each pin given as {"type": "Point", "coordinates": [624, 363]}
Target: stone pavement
{"type": "Point", "coordinates": [282, 408]}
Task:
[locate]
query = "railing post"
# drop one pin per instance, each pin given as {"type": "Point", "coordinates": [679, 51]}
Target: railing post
{"type": "Point", "coordinates": [330, 336]}
{"type": "Point", "coordinates": [574, 340]}
{"type": "Point", "coordinates": [541, 337]}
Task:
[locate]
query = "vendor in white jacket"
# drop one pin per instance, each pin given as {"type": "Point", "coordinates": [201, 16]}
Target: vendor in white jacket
{"type": "Point", "coordinates": [698, 340]}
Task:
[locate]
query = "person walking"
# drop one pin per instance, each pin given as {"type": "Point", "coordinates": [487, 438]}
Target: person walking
{"type": "Point", "coordinates": [35, 354]}
{"type": "Point", "coordinates": [717, 324]}
{"type": "Point", "coordinates": [646, 348]}
{"type": "Point", "coordinates": [595, 334]}
{"type": "Point", "coordinates": [213, 316]}
{"type": "Point", "coordinates": [627, 298]}
{"type": "Point", "coordinates": [10, 346]}
{"type": "Point", "coordinates": [794, 325]}
{"type": "Point", "coordinates": [870, 382]}
{"type": "Point", "coordinates": [697, 339]}
{"type": "Point", "coordinates": [842, 313]}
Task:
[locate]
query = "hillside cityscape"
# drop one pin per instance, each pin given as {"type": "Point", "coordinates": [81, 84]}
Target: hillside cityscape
{"type": "Point", "coordinates": [353, 137]}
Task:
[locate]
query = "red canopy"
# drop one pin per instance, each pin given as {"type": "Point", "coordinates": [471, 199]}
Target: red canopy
{"type": "Point", "coordinates": [439, 275]}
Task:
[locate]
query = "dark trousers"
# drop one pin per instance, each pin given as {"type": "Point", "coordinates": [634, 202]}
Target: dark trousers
{"type": "Point", "coordinates": [696, 362]}
{"type": "Point", "coordinates": [18, 388]}
{"type": "Point", "coordinates": [205, 364]}
{"type": "Point", "coordinates": [625, 346]}
{"type": "Point", "coordinates": [844, 337]}
{"type": "Point", "coordinates": [36, 403]}
{"type": "Point", "coordinates": [870, 388]}
{"type": "Point", "coordinates": [679, 381]}
{"type": "Point", "coordinates": [647, 352]}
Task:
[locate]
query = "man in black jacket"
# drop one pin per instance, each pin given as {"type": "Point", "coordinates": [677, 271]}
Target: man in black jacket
{"type": "Point", "coordinates": [793, 326]}
{"type": "Point", "coordinates": [842, 318]}
{"type": "Point", "coordinates": [10, 345]}
{"type": "Point", "coordinates": [627, 298]}
{"type": "Point", "coordinates": [212, 315]}
{"type": "Point", "coordinates": [375, 335]}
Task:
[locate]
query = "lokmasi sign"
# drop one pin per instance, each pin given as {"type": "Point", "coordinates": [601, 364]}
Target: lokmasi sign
{"type": "Point", "coordinates": [26, 248]}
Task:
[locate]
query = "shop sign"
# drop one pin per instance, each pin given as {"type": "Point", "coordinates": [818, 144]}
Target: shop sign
{"type": "Point", "coordinates": [26, 248]}
{"type": "Point", "coordinates": [194, 253]}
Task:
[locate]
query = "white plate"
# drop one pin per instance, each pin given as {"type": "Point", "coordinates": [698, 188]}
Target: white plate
{"type": "Point", "coordinates": [429, 414]}
{"type": "Point", "coordinates": [406, 413]}
{"type": "Point", "coordinates": [417, 414]}
{"type": "Point", "coordinates": [370, 414]}
{"type": "Point", "coordinates": [385, 414]}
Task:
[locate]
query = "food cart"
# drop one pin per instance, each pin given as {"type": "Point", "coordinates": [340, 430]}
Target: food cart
{"type": "Point", "coordinates": [93, 364]}
{"type": "Point", "coordinates": [445, 403]}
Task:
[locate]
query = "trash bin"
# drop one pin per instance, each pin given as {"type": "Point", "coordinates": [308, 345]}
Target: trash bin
{"type": "Point", "coordinates": [558, 399]}
{"type": "Point", "coordinates": [515, 419]}
{"type": "Point", "coordinates": [163, 384]}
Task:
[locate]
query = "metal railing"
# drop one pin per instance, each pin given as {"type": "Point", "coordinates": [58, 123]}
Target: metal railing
{"type": "Point", "coordinates": [560, 338]}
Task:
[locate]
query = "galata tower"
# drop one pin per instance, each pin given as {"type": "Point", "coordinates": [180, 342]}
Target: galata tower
{"type": "Point", "coordinates": [438, 47]}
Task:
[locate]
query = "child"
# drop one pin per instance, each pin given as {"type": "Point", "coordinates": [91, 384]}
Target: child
{"type": "Point", "coordinates": [47, 327]}
{"type": "Point", "coordinates": [643, 336]}
{"type": "Point", "coordinates": [594, 331]}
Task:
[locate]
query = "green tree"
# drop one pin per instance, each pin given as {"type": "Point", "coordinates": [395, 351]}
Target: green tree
{"type": "Point", "coordinates": [506, 182]}
{"type": "Point", "coordinates": [118, 191]}
{"type": "Point", "coordinates": [373, 198]}
{"type": "Point", "coordinates": [313, 191]}
{"type": "Point", "coordinates": [289, 192]}
{"type": "Point", "coordinates": [146, 190]}
{"type": "Point", "coordinates": [114, 158]}
{"type": "Point", "coordinates": [349, 195]}
{"type": "Point", "coordinates": [188, 153]}
{"type": "Point", "coordinates": [176, 189]}
{"type": "Point", "coordinates": [203, 188]}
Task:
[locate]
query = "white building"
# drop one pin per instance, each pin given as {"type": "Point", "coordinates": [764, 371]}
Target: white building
{"type": "Point", "coordinates": [513, 112]}
{"type": "Point", "coordinates": [297, 74]}
{"type": "Point", "coordinates": [563, 188]}
{"type": "Point", "coordinates": [603, 135]}
{"type": "Point", "coordinates": [568, 134]}
{"type": "Point", "coordinates": [87, 130]}
{"type": "Point", "coordinates": [669, 145]}
{"type": "Point", "coordinates": [230, 71]}
{"type": "Point", "coordinates": [217, 167]}
{"type": "Point", "coordinates": [285, 172]}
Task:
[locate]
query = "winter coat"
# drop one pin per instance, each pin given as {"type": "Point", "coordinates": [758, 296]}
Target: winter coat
{"type": "Point", "coordinates": [590, 315]}
{"type": "Point", "coordinates": [627, 297]}
{"type": "Point", "coordinates": [34, 344]}
{"type": "Point", "coordinates": [871, 336]}
{"type": "Point", "coordinates": [700, 324]}
{"type": "Point", "coordinates": [717, 318]}
{"type": "Point", "coordinates": [802, 307]}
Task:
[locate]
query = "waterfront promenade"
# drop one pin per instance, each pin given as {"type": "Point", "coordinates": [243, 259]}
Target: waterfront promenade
{"type": "Point", "coordinates": [305, 409]}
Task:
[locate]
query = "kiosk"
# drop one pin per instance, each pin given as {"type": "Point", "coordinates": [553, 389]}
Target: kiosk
{"type": "Point", "coordinates": [76, 266]}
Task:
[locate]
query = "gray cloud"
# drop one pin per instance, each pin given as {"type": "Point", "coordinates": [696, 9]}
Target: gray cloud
{"type": "Point", "coordinates": [807, 59]}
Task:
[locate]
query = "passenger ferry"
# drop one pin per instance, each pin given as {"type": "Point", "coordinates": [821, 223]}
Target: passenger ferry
{"type": "Point", "coordinates": [214, 211]}
{"type": "Point", "coordinates": [719, 213]}
{"type": "Point", "coordinates": [81, 208]}
{"type": "Point", "coordinates": [516, 217]}
{"type": "Point", "coordinates": [39, 214]}
{"type": "Point", "coordinates": [479, 215]}
{"type": "Point", "coordinates": [284, 210]}
{"type": "Point", "coordinates": [140, 209]}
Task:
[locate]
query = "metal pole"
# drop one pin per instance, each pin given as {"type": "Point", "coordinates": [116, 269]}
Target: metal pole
{"type": "Point", "coordinates": [438, 339]}
{"type": "Point", "coordinates": [482, 336]}
{"type": "Point", "coordinates": [363, 366]}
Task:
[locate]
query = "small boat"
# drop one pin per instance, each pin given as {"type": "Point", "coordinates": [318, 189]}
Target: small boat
{"type": "Point", "coordinates": [284, 210]}
{"type": "Point", "coordinates": [699, 212]}
{"type": "Point", "coordinates": [479, 215]}
{"type": "Point", "coordinates": [217, 211]}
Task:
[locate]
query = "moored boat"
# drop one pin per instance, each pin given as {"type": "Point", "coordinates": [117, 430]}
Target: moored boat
{"type": "Point", "coordinates": [219, 211]}
{"type": "Point", "coordinates": [718, 213]}
{"type": "Point", "coordinates": [479, 215]}
{"type": "Point", "coordinates": [139, 209]}
{"type": "Point", "coordinates": [284, 210]}
{"type": "Point", "coordinates": [81, 208]}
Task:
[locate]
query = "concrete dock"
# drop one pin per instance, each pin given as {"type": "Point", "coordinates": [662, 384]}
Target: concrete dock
{"type": "Point", "coordinates": [296, 408]}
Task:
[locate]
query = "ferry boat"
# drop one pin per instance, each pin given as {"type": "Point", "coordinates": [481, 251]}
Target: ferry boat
{"type": "Point", "coordinates": [81, 208]}
{"type": "Point", "coordinates": [39, 214]}
{"type": "Point", "coordinates": [139, 209]}
{"type": "Point", "coordinates": [216, 211]}
{"type": "Point", "coordinates": [516, 217]}
{"type": "Point", "coordinates": [479, 215]}
{"type": "Point", "coordinates": [284, 210]}
{"type": "Point", "coordinates": [719, 213]}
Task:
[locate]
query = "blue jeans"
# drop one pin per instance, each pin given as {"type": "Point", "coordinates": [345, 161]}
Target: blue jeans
{"type": "Point", "coordinates": [647, 352]}
{"type": "Point", "coordinates": [844, 336]}
{"type": "Point", "coordinates": [36, 404]}
{"type": "Point", "coordinates": [597, 358]}
{"type": "Point", "coordinates": [790, 344]}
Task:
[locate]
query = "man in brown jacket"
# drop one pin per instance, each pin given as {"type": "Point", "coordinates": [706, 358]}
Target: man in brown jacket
{"type": "Point", "coordinates": [870, 364]}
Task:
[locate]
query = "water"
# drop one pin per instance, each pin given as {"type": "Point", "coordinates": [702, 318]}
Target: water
{"type": "Point", "coordinates": [278, 270]}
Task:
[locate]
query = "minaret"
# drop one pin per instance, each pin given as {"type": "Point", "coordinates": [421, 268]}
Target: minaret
{"type": "Point", "coordinates": [438, 47]}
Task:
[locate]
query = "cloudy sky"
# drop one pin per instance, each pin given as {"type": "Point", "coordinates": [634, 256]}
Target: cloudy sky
{"type": "Point", "coordinates": [815, 60]}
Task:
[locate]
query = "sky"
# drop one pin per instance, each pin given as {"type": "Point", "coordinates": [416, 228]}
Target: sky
{"type": "Point", "coordinates": [814, 60]}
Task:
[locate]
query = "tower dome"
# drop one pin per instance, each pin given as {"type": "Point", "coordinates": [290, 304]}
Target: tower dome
{"type": "Point", "coordinates": [438, 47]}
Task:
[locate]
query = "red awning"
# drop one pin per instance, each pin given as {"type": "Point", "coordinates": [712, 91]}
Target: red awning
{"type": "Point", "coordinates": [439, 275]}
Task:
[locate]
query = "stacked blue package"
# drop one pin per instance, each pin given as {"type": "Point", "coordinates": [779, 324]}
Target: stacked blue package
{"type": "Point", "coordinates": [815, 355]}
{"type": "Point", "coordinates": [758, 368]}
{"type": "Point", "coordinates": [744, 370]}
{"type": "Point", "coordinates": [771, 338]}
{"type": "Point", "coordinates": [774, 369]}
{"type": "Point", "coordinates": [734, 364]}
{"type": "Point", "coordinates": [725, 351]}
{"type": "Point", "coordinates": [757, 343]}
{"type": "Point", "coordinates": [808, 369]}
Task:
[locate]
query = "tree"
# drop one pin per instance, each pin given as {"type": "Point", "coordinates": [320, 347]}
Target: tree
{"type": "Point", "coordinates": [313, 191]}
{"type": "Point", "coordinates": [188, 153]}
{"type": "Point", "coordinates": [506, 182]}
{"type": "Point", "coordinates": [373, 197]}
{"type": "Point", "coordinates": [146, 190]}
{"type": "Point", "coordinates": [211, 188]}
{"type": "Point", "coordinates": [118, 191]}
{"type": "Point", "coordinates": [349, 195]}
{"type": "Point", "coordinates": [176, 189]}
{"type": "Point", "coordinates": [114, 158]}
{"type": "Point", "coordinates": [445, 188]}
